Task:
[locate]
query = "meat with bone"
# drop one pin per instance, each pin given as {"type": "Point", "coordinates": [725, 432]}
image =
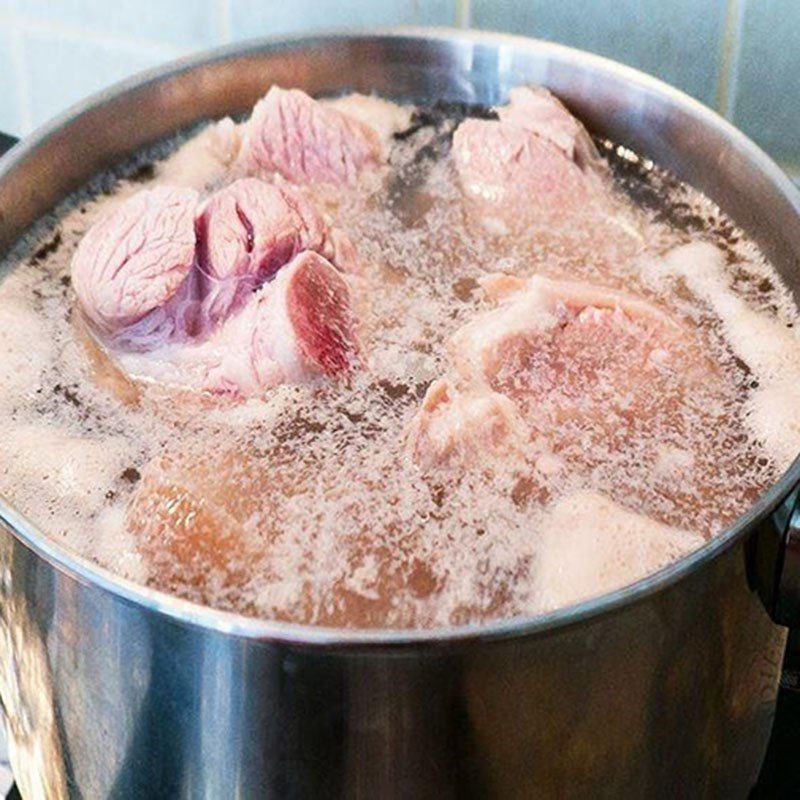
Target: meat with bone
{"type": "Point", "coordinates": [535, 164]}
{"type": "Point", "coordinates": [305, 141]}
{"type": "Point", "coordinates": [235, 295]}
{"type": "Point", "coordinates": [609, 386]}
{"type": "Point", "coordinates": [298, 326]}
{"type": "Point", "coordinates": [189, 532]}
{"type": "Point", "coordinates": [248, 231]}
{"type": "Point", "coordinates": [192, 517]}
{"type": "Point", "coordinates": [573, 336]}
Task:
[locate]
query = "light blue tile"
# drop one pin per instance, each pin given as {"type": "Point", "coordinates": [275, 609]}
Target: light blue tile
{"type": "Point", "coordinates": [252, 18]}
{"type": "Point", "coordinates": [676, 40]}
{"type": "Point", "coordinates": [9, 99]}
{"type": "Point", "coordinates": [186, 22]}
{"type": "Point", "coordinates": [61, 71]}
{"type": "Point", "coordinates": [435, 12]}
{"type": "Point", "coordinates": [767, 100]}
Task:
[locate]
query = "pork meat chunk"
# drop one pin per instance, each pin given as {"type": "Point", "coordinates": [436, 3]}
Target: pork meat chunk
{"type": "Point", "coordinates": [305, 324]}
{"type": "Point", "coordinates": [238, 294]}
{"type": "Point", "coordinates": [618, 386]}
{"type": "Point", "coordinates": [458, 428]}
{"type": "Point", "coordinates": [535, 110]}
{"type": "Point", "coordinates": [535, 164]}
{"type": "Point", "coordinates": [295, 328]}
{"type": "Point", "coordinates": [132, 266]}
{"type": "Point", "coordinates": [304, 141]}
{"type": "Point", "coordinates": [189, 518]}
{"type": "Point", "coordinates": [577, 339]}
{"type": "Point", "coordinates": [208, 521]}
{"type": "Point", "coordinates": [248, 231]}
{"type": "Point", "coordinates": [557, 364]}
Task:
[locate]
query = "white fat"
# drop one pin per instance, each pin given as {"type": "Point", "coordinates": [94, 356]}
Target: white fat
{"type": "Point", "coordinates": [383, 116]}
{"type": "Point", "coordinates": [591, 545]}
{"type": "Point", "coordinates": [205, 159]}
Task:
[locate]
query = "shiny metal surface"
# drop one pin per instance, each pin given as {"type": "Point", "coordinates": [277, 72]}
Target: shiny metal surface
{"type": "Point", "coordinates": [663, 689]}
{"type": "Point", "coordinates": [788, 573]}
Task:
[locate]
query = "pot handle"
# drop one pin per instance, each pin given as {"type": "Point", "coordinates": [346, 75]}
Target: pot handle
{"type": "Point", "coordinates": [6, 142]}
{"type": "Point", "coordinates": [775, 561]}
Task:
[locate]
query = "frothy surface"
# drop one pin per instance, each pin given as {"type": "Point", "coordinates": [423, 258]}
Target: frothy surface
{"type": "Point", "coordinates": [304, 504]}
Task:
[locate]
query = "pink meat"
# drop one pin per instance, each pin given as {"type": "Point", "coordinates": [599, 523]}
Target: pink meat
{"type": "Point", "coordinates": [317, 307]}
{"type": "Point", "coordinates": [163, 268]}
{"type": "Point", "coordinates": [535, 110]}
{"type": "Point", "coordinates": [564, 350]}
{"type": "Point", "coordinates": [561, 353]}
{"type": "Point", "coordinates": [298, 326]}
{"type": "Point", "coordinates": [136, 260]}
{"type": "Point", "coordinates": [457, 427]}
{"type": "Point", "coordinates": [248, 231]}
{"type": "Point", "coordinates": [235, 295]}
{"type": "Point", "coordinates": [304, 141]}
{"type": "Point", "coordinates": [535, 164]}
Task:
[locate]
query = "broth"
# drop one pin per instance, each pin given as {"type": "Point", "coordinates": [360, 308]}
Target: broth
{"type": "Point", "coordinates": [304, 504]}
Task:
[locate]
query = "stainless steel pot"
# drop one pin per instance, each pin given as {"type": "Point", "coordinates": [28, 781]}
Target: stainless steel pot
{"type": "Point", "coordinates": [663, 689]}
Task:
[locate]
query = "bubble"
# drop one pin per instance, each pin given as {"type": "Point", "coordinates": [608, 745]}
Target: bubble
{"type": "Point", "coordinates": [303, 505]}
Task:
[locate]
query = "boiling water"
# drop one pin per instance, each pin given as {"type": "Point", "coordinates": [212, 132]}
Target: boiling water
{"type": "Point", "coordinates": [304, 504]}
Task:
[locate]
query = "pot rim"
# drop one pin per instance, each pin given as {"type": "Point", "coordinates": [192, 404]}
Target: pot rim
{"type": "Point", "coordinates": [183, 611]}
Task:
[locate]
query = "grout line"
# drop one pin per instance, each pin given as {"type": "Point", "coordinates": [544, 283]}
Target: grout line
{"type": "Point", "coordinates": [463, 14]}
{"type": "Point", "coordinates": [730, 53]}
{"type": "Point", "coordinates": [224, 22]}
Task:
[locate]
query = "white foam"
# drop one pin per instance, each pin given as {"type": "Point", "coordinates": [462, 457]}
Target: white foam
{"type": "Point", "coordinates": [322, 502]}
{"type": "Point", "coordinates": [764, 342]}
{"type": "Point", "coordinates": [74, 469]}
{"type": "Point", "coordinates": [26, 350]}
{"type": "Point", "coordinates": [203, 160]}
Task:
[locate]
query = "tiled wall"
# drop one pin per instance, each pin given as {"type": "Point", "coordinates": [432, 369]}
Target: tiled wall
{"type": "Point", "coordinates": [740, 56]}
